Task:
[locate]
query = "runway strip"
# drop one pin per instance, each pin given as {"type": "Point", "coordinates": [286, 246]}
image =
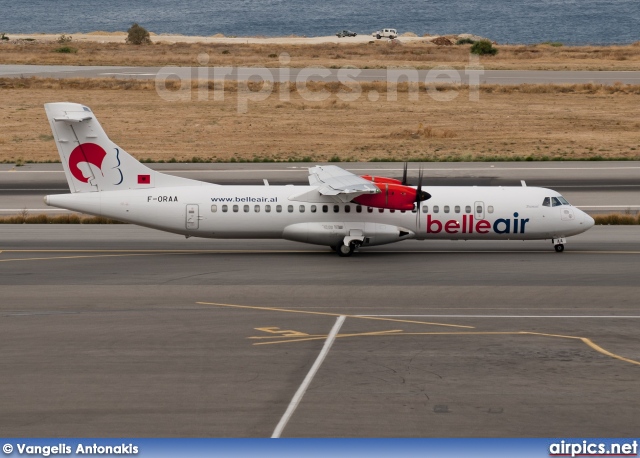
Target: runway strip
{"type": "Point", "coordinates": [597, 187]}
{"type": "Point", "coordinates": [505, 77]}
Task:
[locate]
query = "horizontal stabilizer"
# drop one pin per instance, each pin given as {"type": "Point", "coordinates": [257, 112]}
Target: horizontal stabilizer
{"type": "Point", "coordinates": [74, 117]}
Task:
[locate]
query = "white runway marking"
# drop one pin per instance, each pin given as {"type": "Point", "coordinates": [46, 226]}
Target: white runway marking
{"type": "Point", "coordinates": [609, 206]}
{"type": "Point", "coordinates": [493, 168]}
{"type": "Point", "coordinates": [506, 316]}
{"type": "Point", "coordinates": [307, 380]}
{"type": "Point", "coordinates": [130, 74]}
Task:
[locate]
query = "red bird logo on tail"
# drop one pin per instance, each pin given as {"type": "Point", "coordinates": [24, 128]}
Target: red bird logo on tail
{"type": "Point", "coordinates": [87, 152]}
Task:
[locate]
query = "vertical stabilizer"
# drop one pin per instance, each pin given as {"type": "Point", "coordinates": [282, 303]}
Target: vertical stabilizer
{"type": "Point", "coordinates": [91, 161]}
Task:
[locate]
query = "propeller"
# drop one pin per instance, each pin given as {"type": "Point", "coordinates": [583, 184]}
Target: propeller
{"type": "Point", "coordinates": [420, 196]}
{"type": "Point", "coordinates": [404, 174]}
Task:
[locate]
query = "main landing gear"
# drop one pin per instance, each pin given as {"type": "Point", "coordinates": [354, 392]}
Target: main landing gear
{"type": "Point", "coordinates": [346, 250]}
{"type": "Point", "coordinates": [558, 244]}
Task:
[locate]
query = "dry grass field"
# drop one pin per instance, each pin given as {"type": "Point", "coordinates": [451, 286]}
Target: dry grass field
{"type": "Point", "coordinates": [506, 122]}
{"type": "Point", "coordinates": [374, 54]}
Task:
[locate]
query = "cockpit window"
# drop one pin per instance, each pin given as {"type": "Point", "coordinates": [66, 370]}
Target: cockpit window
{"type": "Point", "coordinates": [554, 201]}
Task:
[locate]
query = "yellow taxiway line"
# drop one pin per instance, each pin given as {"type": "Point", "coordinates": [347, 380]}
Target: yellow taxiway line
{"type": "Point", "coordinates": [275, 309]}
{"type": "Point", "coordinates": [398, 332]}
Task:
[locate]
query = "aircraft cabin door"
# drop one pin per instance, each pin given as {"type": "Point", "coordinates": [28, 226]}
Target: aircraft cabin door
{"type": "Point", "coordinates": [193, 216]}
{"type": "Point", "coordinates": [478, 210]}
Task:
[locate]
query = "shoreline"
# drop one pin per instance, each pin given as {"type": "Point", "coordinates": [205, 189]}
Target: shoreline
{"type": "Point", "coordinates": [171, 38]}
{"type": "Point", "coordinates": [120, 37]}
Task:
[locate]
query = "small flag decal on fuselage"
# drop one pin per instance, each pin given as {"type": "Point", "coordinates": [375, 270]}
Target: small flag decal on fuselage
{"type": "Point", "coordinates": [144, 179]}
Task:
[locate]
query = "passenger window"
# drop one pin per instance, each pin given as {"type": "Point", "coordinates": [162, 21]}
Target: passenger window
{"type": "Point", "coordinates": [313, 209]}
{"type": "Point", "coordinates": [235, 209]}
{"type": "Point", "coordinates": [256, 209]}
{"type": "Point", "coordinates": [490, 208]}
{"type": "Point", "coordinates": [457, 209]}
{"type": "Point", "coordinates": [436, 209]}
{"type": "Point", "coordinates": [555, 202]}
{"type": "Point", "coordinates": [546, 202]}
{"type": "Point", "coordinates": [246, 209]}
{"type": "Point", "coordinates": [267, 208]}
{"type": "Point", "coordinates": [290, 208]}
{"type": "Point", "coordinates": [301, 208]}
{"type": "Point", "coordinates": [425, 209]}
{"type": "Point", "coordinates": [336, 208]}
{"type": "Point", "coordinates": [479, 209]}
{"type": "Point", "coordinates": [369, 210]}
{"type": "Point", "coordinates": [279, 208]}
{"type": "Point", "coordinates": [467, 209]}
{"type": "Point", "coordinates": [358, 208]}
{"type": "Point", "coordinates": [325, 208]}
{"type": "Point", "coordinates": [347, 208]}
{"type": "Point", "coordinates": [224, 209]}
{"type": "Point", "coordinates": [446, 209]}
{"type": "Point", "coordinates": [214, 208]}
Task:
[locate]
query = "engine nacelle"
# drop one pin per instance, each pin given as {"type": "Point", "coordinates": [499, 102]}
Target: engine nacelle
{"type": "Point", "coordinates": [333, 233]}
{"type": "Point", "coordinates": [392, 196]}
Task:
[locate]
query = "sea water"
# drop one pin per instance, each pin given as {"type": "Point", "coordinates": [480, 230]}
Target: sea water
{"type": "Point", "coordinates": [505, 21]}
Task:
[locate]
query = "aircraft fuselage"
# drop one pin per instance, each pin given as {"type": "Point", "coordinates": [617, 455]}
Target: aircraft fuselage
{"type": "Point", "coordinates": [486, 213]}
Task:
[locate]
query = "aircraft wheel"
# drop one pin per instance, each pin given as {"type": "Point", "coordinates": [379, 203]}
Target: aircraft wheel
{"type": "Point", "coordinates": [559, 248]}
{"type": "Point", "coordinates": [344, 251]}
{"type": "Point", "coordinates": [378, 37]}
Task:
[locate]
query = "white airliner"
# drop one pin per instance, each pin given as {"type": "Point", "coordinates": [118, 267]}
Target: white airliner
{"type": "Point", "coordinates": [338, 209]}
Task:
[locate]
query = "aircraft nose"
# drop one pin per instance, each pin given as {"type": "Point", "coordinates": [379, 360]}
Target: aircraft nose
{"type": "Point", "coordinates": [589, 221]}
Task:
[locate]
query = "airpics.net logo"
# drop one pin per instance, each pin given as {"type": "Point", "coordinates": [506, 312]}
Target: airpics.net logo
{"type": "Point", "coordinates": [592, 448]}
{"type": "Point", "coordinates": [256, 84]}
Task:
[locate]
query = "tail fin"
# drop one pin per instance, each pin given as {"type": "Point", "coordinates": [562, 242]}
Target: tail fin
{"type": "Point", "coordinates": [92, 162]}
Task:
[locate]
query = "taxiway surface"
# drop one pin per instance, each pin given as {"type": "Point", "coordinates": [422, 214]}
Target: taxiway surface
{"type": "Point", "coordinates": [596, 187]}
{"type": "Point", "coordinates": [120, 331]}
{"type": "Point", "coordinates": [474, 74]}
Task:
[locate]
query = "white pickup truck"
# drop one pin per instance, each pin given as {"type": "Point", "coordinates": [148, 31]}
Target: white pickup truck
{"type": "Point", "coordinates": [385, 33]}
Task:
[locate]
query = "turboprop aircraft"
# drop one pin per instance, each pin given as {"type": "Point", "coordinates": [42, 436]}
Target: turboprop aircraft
{"type": "Point", "coordinates": [337, 209]}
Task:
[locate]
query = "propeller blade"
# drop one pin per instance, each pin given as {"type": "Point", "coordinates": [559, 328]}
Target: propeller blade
{"type": "Point", "coordinates": [404, 174]}
{"type": "Point", "coordinates": [418, 198]}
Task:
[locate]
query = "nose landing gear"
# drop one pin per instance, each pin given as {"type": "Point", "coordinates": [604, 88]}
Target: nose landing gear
{"type": "Point", "coordinates": [558, 244]}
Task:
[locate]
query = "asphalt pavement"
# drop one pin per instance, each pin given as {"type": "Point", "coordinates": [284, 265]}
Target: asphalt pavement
{"type": "Point", "coordinates": [121, 331]}
{"type": "Point", "coordinates": [473, 73]}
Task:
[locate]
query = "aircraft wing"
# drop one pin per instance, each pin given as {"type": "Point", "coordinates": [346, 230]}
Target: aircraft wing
{"type": "Point", "coordinates": [332, 181]}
